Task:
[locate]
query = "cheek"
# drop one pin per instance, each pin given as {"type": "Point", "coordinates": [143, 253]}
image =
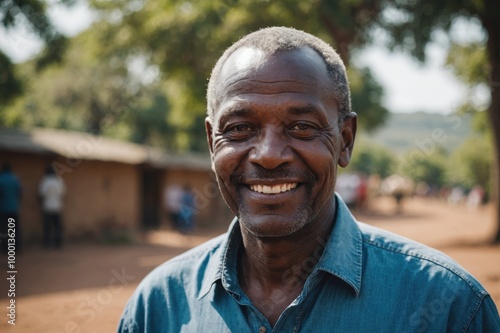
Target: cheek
{"type": "Point", "coordinates": [322, 159]}
{"type": "Point", "coordinates": [226, 163]}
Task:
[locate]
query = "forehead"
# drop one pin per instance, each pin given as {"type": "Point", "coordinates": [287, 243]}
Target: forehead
{"type": "Point", "coordinates": [250, 71]}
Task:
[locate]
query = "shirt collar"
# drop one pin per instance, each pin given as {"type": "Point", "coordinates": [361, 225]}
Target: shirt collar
{"type": "Point", "coordinates": [342, 256]}
{"type": "Point", "coordinates": [223, 261]}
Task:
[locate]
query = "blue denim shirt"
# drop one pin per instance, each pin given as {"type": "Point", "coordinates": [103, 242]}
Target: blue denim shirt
{"type": "Point", "coordinates": [365, 280]}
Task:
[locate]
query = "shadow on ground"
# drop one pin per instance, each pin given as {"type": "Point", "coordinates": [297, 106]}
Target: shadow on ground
{"type": "Point", "coordinates": [88, 265]}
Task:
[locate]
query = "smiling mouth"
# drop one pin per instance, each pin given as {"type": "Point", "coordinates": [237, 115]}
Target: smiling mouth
{"type": "Point", "coordinates": [274, 189]}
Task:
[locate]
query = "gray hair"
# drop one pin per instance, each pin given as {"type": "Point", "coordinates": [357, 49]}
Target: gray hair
{"type": "Point", "coordinates": [274, 39]}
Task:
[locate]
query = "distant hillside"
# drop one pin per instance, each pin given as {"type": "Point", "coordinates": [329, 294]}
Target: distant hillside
{"type": "Point", "coordinates": [403, 132]}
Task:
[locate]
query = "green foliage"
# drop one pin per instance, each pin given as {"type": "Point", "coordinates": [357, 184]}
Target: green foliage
{"type": "Point", "coordinates": [10, 85]}
{"type": "Point", "coordinates": [33, 14]}
{"type": "Point", "coordinates": [86, 93]}
{"type": "Point", "coordinates": [472, 161]}
{"type": "Point", "coordinates": [372, 159]}
{"type": "Point", "coordinates": [471, 164]}
{"type": "Point", "coordinates": [185, 39]}
{"type": "Point", "coordinates": [96, 89]}
{"type": "Point", "coordinates": [411, 24]}
{"type": "Point", "coordinates": [423, 167]}
{"type": "Point", "coordinates": [367, 95]}
{"type": "Point", "coordinates": [469, 63]}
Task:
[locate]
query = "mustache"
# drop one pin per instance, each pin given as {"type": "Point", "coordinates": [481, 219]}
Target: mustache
{"type": "Point", "coordinates": [258, 172]}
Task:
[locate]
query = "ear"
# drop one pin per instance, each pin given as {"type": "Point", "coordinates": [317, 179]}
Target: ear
{"type": "Point", "coordinates": [348, 134]}
{"type": "Point", "coordinates": [210, 138]}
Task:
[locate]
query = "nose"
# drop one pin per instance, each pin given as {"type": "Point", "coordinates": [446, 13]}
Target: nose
{"type": "Point", "coordinates": [271, 149]}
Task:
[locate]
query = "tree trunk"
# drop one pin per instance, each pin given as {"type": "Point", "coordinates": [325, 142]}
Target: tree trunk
{"type": "Point", "coordinates": [491, 22]}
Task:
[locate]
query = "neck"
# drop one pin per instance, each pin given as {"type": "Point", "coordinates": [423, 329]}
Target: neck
{"type": "Point", "coordinates": [273, 259]}
{"type": "Point", "coordinates": [273, 270]}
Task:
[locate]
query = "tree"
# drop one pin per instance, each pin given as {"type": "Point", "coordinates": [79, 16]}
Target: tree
{"type": "Point", "coordinates": [428, 168]}
{"type": "Point", "coordinates": [471, 164]}
{"type": "Point", "coordinates": [86, 93]}
{"type": "Point", "coordinates": [185, 39]}
{"type": "Point", "coordinates": [371, 159]}
{"type": "Point", "coordinates": [411, 25]}
{"type": "Point", "coordinates": [182, 41]}
{"type": "Point", "coordinates": [33, 14]}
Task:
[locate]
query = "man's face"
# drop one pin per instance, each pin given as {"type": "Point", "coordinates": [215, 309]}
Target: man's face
{"type": "Point", "coordinates": [275, 140]}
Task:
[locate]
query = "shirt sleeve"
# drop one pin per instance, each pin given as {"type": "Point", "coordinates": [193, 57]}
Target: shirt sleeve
{"type": "Point", "coordinates": [133, 316]}
{"type": "Point", "coordinates": [486, 319]}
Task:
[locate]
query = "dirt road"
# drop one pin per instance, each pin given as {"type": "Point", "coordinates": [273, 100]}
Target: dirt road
{"type": "Point", "coordinates": [85, 287]}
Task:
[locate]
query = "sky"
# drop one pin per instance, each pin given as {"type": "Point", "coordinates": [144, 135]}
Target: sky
{"type": "Point", "coordinates": [409, 86]}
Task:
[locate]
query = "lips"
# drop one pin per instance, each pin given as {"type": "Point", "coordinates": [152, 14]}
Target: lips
{"type": "Point", "coordinates": [273, 189]}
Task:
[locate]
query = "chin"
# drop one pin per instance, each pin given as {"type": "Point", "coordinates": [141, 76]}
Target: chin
{"type": "Point", "coordinates": [274, 226]}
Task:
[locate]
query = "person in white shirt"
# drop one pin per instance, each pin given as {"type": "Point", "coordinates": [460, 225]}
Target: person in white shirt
{"type": "Point", "coordinates": [51, 191]}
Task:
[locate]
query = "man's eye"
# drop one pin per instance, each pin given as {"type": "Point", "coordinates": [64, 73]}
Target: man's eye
{"type": "Point", "coordinates": [240, 128]}
{"type": "Point", "coordinates": [239, 132]}
{"type": "Point", "coordinates": [302, 130]}
{"type": "Point", "coordinates": [301, 127]}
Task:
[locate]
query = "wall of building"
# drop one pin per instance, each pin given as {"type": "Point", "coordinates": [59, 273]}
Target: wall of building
{"type": "Point", "coordinates": [211, 210]}
{"type": "Point", "coordinates": [98, 194]}
{"type": "Point", "coordinates": [101, 195]}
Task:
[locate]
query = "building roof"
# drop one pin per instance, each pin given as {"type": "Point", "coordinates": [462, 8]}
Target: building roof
{"type": "Point", "coordinates": [85, 146]}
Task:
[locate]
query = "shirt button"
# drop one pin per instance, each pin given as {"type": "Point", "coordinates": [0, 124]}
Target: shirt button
{"type": "Point", "coordinates": [262, 329]}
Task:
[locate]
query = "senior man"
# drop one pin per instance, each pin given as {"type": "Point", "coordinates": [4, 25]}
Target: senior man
{"type": "Point", "coordinates": [294, 259]}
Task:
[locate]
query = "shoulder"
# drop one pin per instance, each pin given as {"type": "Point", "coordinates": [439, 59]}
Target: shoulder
{"type": "Point", "coordinates": [185, 270]}
{"type": "Point", "coordinates": [418, 260]}
{"type": "Point", "coordinates": [192, 260]}
{"type": "Point", "coordinates": [164, 295]}
{"type": "Point", "coordinates": [432, 283]}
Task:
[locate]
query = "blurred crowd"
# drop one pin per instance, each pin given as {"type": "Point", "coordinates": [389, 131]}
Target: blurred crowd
{"type": "Point", "coordinates": [358, 190]}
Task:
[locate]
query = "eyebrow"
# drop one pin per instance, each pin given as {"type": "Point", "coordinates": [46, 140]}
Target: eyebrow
{"type": "Point", "coordinates": [303, 110]}
{"type": "Point", "coordinates": [309, 109]}
{"type": "Point", "coordinates": [240, 112]}
{"type": "Point", "coordinates": [294, 111]}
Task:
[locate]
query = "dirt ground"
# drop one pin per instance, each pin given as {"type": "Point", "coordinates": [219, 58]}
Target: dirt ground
{"type": "Point", "coordinates": [84, 287]}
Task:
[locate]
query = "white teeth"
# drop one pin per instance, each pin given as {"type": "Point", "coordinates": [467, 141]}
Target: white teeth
{"type": "Point", "coordinates": [273, 189]}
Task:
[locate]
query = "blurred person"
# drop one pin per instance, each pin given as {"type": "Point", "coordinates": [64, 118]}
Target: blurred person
{"type": "Point", "coordinates": [475, 197]}
{"type": "Point", "coordinates": [422, 190]}
{"type": "Point", "coordinates": [456, 196]}
{"type": "Point", "coordinates": [172, 199]}
{"type": "Point", "coordinates": [362, 193]}
{"type": "Point", "coordinates": [295, 259]}
{"type": "Point", "coordinates": [10, 201]}
{"type": "Point", "coordinates": [187, 210]}
{"type": "Point", "coordinates": [51, 190]}
{"type": "Point", "coordinates": [374, 182]}
{"type": "Point", "coordinates": [398, 187]}
{"type": "Point", "coordinates": [347, 187]}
